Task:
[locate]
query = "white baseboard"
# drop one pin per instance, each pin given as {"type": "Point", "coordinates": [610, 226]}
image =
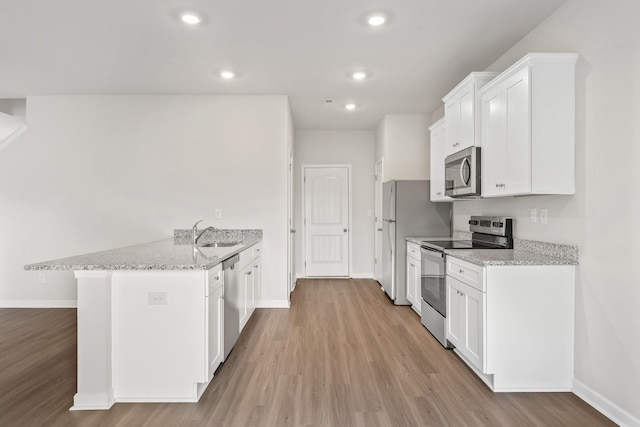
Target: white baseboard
{"type": "Point", "coordinates": [38, 303]}
{"type": "Point", "coordinates": [272, 303]}
{"type": "Point", "coordinates": [362, 276]}
{"type": "Point", "coordinates": [604, 405]}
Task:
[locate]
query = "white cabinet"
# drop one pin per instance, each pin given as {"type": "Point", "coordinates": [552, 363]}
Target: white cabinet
{"type": "Point", "coordinates": [466, 328]}
{"type": "Point", "coordinates": [461, 109]}
{"type": "Point", "coordinates": [513, 325]}
{"type": "Point", "coordinates": [215, 320]}
{"type": "Point", "coordinates": [438, 142]}
{"type": "Point", "coordinates": [249, 290]}
{"type": "Point", "coordinates": [527, 128]}
{"type": "Point", "coordinates": [413, 276]}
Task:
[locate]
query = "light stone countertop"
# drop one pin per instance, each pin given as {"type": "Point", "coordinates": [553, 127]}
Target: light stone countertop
{"type": "Point", "coordinates": [492, 257]}
{"type": "Point", "coordinates": [167, 254]}
{"type": "Point", "coordinates": [525, 252]}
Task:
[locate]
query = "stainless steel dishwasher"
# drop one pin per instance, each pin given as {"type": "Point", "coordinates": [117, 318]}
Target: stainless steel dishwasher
{"type": "Point", "coordinates": [231, 303]}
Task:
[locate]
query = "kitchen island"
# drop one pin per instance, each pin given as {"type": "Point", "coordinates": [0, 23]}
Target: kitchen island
{"type": "Point", "coordinates": [150, 316]}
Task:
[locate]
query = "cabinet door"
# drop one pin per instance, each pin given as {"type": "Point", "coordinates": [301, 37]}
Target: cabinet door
{"type": "Point", "coordinates": [467, 117]}
{"type": "Point", "coordinates": [438, 142]}
{"type": "Point", "coordinates": [474, 327]}
{"type": "Point", "coordinates": [216, 335]}
{"type": "Point", "coordinates": [518, 132]}
{"type": "Point", "coordinates": [506, 137]}
{"type": "Point", "coordinates": [257, 281]}
{"type": "Point", "coordinates": [413, 284]}
{"type": "Point", "coordinates": [452, 131]}
{"type": "Point", "coordinates": [455, 313]}
{"type": "Point", "coordinates": [246, 289]}
{"type": "Point", "coordinates": [494, 142]}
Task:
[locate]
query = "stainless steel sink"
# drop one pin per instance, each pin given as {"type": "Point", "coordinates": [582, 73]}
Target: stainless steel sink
{"type": "Point", "coordinates": [220, 244]}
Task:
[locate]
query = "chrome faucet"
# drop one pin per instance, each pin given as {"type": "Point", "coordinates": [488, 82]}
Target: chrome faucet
{"type": "Point", "coordinates": [194, 232]}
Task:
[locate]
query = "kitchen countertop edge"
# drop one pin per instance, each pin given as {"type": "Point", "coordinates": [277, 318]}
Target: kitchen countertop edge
{"type": "Point", "coordinates": [92, 261]}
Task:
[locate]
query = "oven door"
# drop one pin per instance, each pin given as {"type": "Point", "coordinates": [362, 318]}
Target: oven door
{"type": "Point", "coordinates": [462, 173]}
{"type": "Point", "coordinates": [433, 285]}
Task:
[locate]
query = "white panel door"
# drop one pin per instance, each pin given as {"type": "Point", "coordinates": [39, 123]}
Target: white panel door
{"type": "Point", "coordinates": [326, 219]}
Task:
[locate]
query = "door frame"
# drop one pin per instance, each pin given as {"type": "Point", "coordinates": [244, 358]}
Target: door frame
{"type": "Point", "coordinates": [378, 196]}
{"type": "Point", "coordinates": [304, 218]}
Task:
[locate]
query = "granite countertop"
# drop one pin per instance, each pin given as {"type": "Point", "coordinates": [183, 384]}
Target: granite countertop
{"type": "Point", "coordinates": [167, 254]}
{"type": "Point", "coordinates": [525, 252]}
{"type": "Point", "coordinates": [489, 257]}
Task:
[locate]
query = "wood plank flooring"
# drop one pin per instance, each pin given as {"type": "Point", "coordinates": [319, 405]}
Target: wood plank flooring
{"type": "Point", "coordinates": [342, 355]}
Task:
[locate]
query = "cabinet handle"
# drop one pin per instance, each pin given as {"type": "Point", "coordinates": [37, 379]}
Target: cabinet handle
{"type": "Point", "coordinates": [217, 277]}
{"type": "Point", "coordinates": [248, 273]}
{"type": "Point", "coordinates": [439, 193]}
{"type": "Point", "coordinates": [461, 271]}
{"type": "Point", "coordinates": [258, 250]}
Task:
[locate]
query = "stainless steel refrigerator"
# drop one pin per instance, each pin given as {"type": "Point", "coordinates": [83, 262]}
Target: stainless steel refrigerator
{"type": "Point", "coordinates": [407, 212]}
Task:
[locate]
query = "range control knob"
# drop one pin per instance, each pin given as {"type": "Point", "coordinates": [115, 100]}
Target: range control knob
{"type": "Point", "coordinates": [473, 222]}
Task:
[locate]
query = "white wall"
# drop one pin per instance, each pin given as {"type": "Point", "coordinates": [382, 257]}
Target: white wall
{"type": "Point", "coordinates": [403, 141]}
{"type": "Point", "coordinates": [99, 172]}
{"type": "Point", "coordinates": [602, 217]}
{"type": "Point", "coordinates": [341, 147]}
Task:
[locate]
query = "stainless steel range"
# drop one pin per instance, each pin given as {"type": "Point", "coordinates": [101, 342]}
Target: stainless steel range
{"type": "Point", "coordinates": [488, 232]}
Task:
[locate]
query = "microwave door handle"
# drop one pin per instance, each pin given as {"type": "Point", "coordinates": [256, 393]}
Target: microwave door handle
{"type": "Point", "coordinates": [465, 162]}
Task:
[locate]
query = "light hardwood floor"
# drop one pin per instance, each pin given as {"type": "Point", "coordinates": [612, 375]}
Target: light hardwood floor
{"type": "Point", "coordinates": [342, 355]}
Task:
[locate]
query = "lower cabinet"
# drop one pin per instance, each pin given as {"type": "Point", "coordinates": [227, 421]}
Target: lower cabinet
{"type": "Point", "coordinates": [249, 282]}
{"type": "Point", "coordinates": [215, 321]}
{"type": "Point", "coordinates": [466, 325]}
{"type": "Point", "coordinates": [513, 324]}
{"type": "Point", "coordinates": [413, 276]}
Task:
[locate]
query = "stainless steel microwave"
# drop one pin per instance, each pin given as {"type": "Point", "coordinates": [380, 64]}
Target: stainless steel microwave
{"type": "Point", "coordinates": [462, 173]}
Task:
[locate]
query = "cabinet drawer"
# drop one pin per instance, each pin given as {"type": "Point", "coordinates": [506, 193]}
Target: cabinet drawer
{"type": "Point", "coordinates": [413, 251]}
{"type": "Point", "coordinates": [214, 279]}
{"type": "Point", "coordinates": [249, 255]}
{"type": "Point", "coordinates": [471, 274]}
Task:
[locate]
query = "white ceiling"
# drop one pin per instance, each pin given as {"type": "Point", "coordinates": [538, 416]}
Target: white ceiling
{"type": "Point", "coordinates": [300, 48]}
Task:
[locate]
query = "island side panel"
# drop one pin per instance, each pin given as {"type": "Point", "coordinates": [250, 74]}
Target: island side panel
{"type": "Point", "coordinates": [159, 335]}
{"type": "Point", "coordinates": [95, 390]}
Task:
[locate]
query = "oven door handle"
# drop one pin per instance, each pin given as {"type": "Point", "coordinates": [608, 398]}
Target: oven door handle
{"type": "Point", "coordinates": [431, 252]}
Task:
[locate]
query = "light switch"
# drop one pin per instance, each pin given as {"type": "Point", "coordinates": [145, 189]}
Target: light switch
{"type": "Point", "coordinates": [217, 214]}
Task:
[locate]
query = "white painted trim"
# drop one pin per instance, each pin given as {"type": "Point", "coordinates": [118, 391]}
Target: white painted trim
{"type": "Point", "coordinates": [304, 225]}
{"type": "Point", "coordinates": [273, 303]}
{"type": "Point", "coordinates": [362, 275]}
{"type": "Point", "coordinates": [39, 303]}
{"type": "Point", "coordinates": [604, 405]}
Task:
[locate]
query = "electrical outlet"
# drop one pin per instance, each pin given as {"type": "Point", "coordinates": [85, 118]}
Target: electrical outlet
{"type": "Point", "coordinates": [217, 214]}
{"type": "Point", "coordinates": [533, 215]}
{"type": "Point", "coordinates": [543, 216]}
{"type": "Point", "coordinates": [42, 278]}
{"type": "Point", "coordinates": [157, 298]}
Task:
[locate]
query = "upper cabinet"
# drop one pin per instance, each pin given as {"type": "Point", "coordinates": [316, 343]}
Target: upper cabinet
{"type": "Point", "coordinates": [527, 127]}
{"type": "Point", "coordinates": [461, 109]}
{"type": "Point", "coordinates": [438, 141]}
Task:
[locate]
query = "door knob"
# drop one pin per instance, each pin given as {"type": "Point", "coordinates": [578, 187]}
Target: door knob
{"type": "Point", "coordinates": [345, 230]}
{"type": "Point", "coordinates": [379, 229]}
{"type": "Point", "coordinates": [293, 230]}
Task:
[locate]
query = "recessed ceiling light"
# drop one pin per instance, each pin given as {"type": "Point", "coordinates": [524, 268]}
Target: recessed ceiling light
{"type": "Point", "coordinates": [227, 74]}
{"type": "Point", "coordinates": [359, 75]}
{"type": "Point", "coordinates": [376, 20]}
{"type": "Point", "coordinates": [190, 18]}
{"type": "Point", "coordinates": [350, 107]}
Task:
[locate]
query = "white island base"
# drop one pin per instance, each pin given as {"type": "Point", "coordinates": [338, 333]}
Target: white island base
{"type": "Point", "coordinates": [142, 336]}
